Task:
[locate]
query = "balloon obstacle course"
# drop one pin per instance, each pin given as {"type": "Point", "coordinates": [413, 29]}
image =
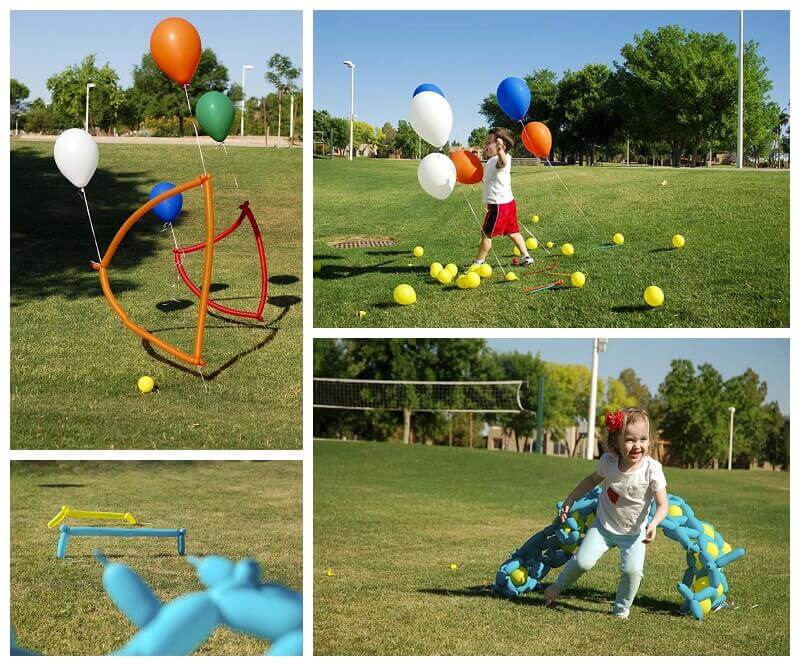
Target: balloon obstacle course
{"type": "Point", "coordinates": [176, 48]}
{"type": "Point", "coordinates": [704, 586]}
{"type": "Point", "coordinates": [126, 532]}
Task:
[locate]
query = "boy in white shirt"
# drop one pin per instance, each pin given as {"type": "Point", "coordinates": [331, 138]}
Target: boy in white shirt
{"type": "Point", "coordinates": [501, 209]}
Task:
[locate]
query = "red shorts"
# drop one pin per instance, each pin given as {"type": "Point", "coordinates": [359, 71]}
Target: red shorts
{"type": "Point", "coordinates": [501, 219]}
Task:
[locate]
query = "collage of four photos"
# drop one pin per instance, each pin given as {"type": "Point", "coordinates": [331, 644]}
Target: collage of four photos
{"type": "Point", "coordinates": [539, 263]}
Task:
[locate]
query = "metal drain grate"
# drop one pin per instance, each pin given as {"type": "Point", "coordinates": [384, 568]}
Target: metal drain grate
{"type": "Point", "coordinates": [354, 243]}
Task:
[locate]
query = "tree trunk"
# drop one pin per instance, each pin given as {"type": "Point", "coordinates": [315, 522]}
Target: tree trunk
{"type": "Point", "coordinates": [677, 151]}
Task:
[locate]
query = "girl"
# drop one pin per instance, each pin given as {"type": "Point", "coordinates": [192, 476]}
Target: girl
{"type": "Point", "coordinates": [630, 481]}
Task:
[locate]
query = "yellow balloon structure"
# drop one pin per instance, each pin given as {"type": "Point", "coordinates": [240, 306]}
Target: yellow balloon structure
{"type": "Point", "coordinates": [68, 512]}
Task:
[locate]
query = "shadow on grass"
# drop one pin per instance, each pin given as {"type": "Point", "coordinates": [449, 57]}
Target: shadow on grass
{"type": "Point", "coordinates": [60, 485]}
{"type": "Point", "coordinates": [628, 309]}
{"type": "Point", "coordinates": [663, 249]}
{"type": "Point", "coordinates": [328, 272]}
{"type": "Point", "coordinates": [601, 597]}
{"type": "Point", "coordinates": [283, 279]}
{"type": "Point", "coordinates": [51, 243]}
{"type": "Point", "coordinates": [173, 305]}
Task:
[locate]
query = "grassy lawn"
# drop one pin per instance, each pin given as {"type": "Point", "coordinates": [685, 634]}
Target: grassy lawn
{"type": "Point", "coordinates": [235, 509]}
{"type": "Point", "coordinates": [733, 271]}
{"type": "Point", "coordinates": [390, 519]}
{"type": "Point", "coordinates": [74, 366]}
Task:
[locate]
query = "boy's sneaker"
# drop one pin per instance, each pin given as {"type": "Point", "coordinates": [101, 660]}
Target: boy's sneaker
{"type": "Point", "coordinates": [527, 260]}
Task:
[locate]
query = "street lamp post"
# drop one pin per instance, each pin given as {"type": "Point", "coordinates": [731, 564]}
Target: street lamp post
{"type": "Point", "coordinates": [731, 411]}
{"type": "Point", "coordinates": [291, 118]}
{"type": "Point", "coordinates": [352, 67]}
{"type": "Point", "coordinates": [244, 97]}
{"type": "Point", "coordinates": [86, 121]}
{"type": "Point", "coordinates": [740, 139]}
{"type": "Point", "coordinates": [598, 345]}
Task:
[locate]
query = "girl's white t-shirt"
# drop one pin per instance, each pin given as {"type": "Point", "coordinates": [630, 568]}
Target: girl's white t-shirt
{"type": "Point", "coordinates": [497, 182]}
{"type": "Point", "coordinates": [626, 496]}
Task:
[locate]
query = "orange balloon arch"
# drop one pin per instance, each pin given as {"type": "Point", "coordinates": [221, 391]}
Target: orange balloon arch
{"type": "Point", "coordinates": [175, 46]}
{"type": "Point", "coordinates": [468, 167]}
{"type": "Point", "coordinates": [537, 139]}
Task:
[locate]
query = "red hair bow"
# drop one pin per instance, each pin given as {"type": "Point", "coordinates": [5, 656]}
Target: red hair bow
{"type": "Point", "coordinates": [614, 420]}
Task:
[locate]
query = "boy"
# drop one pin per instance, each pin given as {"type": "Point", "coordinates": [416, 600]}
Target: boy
{"type": "Point", "coordinates": [501, 209]}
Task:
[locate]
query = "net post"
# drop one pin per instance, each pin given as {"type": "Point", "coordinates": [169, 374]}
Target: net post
{"type": "Point", "coordinates": [406, 425]}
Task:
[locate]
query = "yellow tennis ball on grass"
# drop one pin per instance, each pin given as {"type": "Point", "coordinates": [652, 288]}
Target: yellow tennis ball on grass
{"type": "Point", "coordinates": [484, 270]}
{"type": "Point", "coordinates": [653, 296]}
{"type": "Point", "coordinates": [146, 384]}
{"type": "Point", "coordinates": [461, 282]}
{"type": "Point", "coordinates": [549, 245]}
{"type": "Point", "coordinates": [618, 239]}
{"type": "Point", "coordinates": [436, 268]}
{"type": "Point", "coordinates": [473, 280]}
{"type": "Point", "coordinates": [534, 218]}
{"type": "Point", "coordinates": [519, 576]}
{"type": "Point", "coordinates": [531, 243]}
{"type": "Point", "coordinates": [567, 250]}
{"type": "Point", "coordinates": [404, 294]}
{"type": "Point", "coordinates": [517, 253]}
{"type": "Point", "coordinates": [577, 279]}
{"type": "Point", "coordinates": [418, 251]}
{"type": "Point", "coordinates": [511, 276]}
{"type": "Point", "coordinates": [445, 276]}
{"type": "Point", "coordinates": [678, 241]}
{"type": "Point", "coordinates": [452, 269]}
{"type": "Point", "coordinates": [453, 566]}
{"type": "Point", "coordinates": [474, 267]}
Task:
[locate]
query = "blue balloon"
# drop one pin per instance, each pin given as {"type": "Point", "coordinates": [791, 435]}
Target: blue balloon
{"type": "Point", "coordinates": [427, 87]}
{"type": "Point", "coordinates": [169, 209]}
{"type": "Point", "coordinates": [514, 97]}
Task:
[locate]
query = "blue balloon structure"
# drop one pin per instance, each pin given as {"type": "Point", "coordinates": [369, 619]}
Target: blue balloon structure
{"type": "Point", "coordinates": [423, 87]}
{"type": "Point", "coordinates": [234, 597]}
{"type": "Point", "coordinates": [703, 587]}
{"type": "Point", "coordinates": [514, 97]}
{"type": "Point", "coordinates": [169, 209]}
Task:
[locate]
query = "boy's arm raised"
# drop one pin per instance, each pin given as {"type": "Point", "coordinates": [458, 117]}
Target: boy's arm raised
{"type": "Point", "coordinates": [501, 153]}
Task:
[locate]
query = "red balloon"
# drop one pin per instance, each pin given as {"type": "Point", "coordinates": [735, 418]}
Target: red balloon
{"type": "Point", "coordinates": [537, 139]}
{"type": "Point", "coordinates": [175, 46]}
{"type": "Point", "coordinates": [468, 167]}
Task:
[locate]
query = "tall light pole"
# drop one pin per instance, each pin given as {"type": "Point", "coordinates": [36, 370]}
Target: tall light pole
{"type": "Point", "coordinates": [291, 117]}
{"type": "Point", "coordinates": [731, 410]}
{"type": "Point", "coordinates": [86, 121]}
{"type": "Point", "coordinates": [244, 97]}
{"type": "Point", "coordinates": [740, 139]}
{"type": "Point", "coordinates": [352, 67]}
{"type": "Point", "coordinates": [598, 345]}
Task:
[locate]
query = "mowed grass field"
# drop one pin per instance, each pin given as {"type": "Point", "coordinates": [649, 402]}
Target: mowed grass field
{"type": "Point", "coordinates": [74, 366]}
{"type": "Point", "coordinates": [390, 519]}
{"type": "Point", "coordinates": [732, 272]}
{"type": "Point", "coordinates": [234, 509]}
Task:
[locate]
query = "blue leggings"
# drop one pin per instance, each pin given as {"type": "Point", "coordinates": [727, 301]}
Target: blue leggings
{"type": "Point", "coordinates": [631, 565]}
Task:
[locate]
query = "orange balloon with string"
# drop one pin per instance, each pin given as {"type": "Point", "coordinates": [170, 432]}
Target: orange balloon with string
{"type": "Point", "coordinates": [175, 46]}
{"type": "Point", "coordinates": [468, 167]}
{"type": "Point", "coordinates": [537, 139]}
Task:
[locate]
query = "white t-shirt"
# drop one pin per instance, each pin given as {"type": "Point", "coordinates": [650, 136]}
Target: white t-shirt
{"type": "Point", "coordinates": [626, 496]}
{"type": "Point", "coordinates": [497, 182]}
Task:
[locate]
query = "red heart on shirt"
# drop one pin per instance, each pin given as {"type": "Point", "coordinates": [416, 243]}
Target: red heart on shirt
{"type": "Point", "coordinates": [613, 495]}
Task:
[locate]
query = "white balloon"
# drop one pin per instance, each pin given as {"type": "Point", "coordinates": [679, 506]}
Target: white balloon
{"type": "Point", "coordinates": [431, 117]}
{"type": "Point", "coordinates": [437, 175]}
{"type": "Point", "coordinates": [76, 156]}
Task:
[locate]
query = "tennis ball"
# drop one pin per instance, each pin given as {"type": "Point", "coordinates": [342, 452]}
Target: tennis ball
{"type": "Point", "coordinates": [445, 276]}
{"type": "Point", "coordinates": [618, 239]}
{"type": "Point", "coordinates": [452, 269]}
{"type": "Point", "coordinates": [674, 510]}
{"type": "Point", "coordinates": [473, 280]}
{"type": "Point", "coordinates": [567, 250]}
{"type": "Point", "coordinates": [145, 384]}
{"type": "Point", "coordinates": [712, 550]}
{"type": "Point", "coordinates": [702, 583]}
{"type": "Point", "coordinates": [577, 279]}
{"type": "Point", "coordinates": [653, 296]}
{"type": "Point", "coordinates": [453, 566]}
{"type": "Point", "coordinates": [678, 241]}
{"type": "Point", "coordinates": [549, 245]}
{"type": "Point", "coordinates": [534, 218]}
{"type": "Point", "coordinates": [726, 548]}
{"type": "Point", "coordinates": [511, 276]}
{"type": "Point", "coordinates": [329, 573]}
{"type": "Point", "coordinates": [708, 529]}
{"type": "Point", "coordinates": [418, 251]}
{"type": "Point", "coordinates": [484, 270]}
{"type": "Point", "coordinates": [531, 243]}
{"type": "Point", "coordinates": [404, 294]}
{"type": "Point", "coordinates": [519, 576]}
{"type": "Point", "coordinates": [517, 253]}
{"type": "Point", "coordinates": [436, 268]}
{"type": "Point", "coordinates": [705, 606]}
{"type": "Point", "coordinates": [461, 282]}
{"type": "Point", "coordinates": [474, 267]}
{"type": "Point", "coordinates": [317, 266]}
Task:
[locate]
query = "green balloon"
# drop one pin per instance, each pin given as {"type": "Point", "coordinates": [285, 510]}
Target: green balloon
{"type": "Point", "coordinates": [215, 114]}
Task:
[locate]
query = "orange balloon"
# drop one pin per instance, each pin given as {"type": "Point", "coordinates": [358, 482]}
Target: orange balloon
{"type": "Point", "coordinates": [468, 167]}
{"type": "Point", "coordinates": [175, 46]}
{"type": "Point", "coordinates": [537, 139]}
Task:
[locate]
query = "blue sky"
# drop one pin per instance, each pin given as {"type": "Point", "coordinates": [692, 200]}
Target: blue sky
{"type": "Point", "coordinates": [651, 357]}
{"type": "Point", "coordinates": [45, 42]}
{"type": "Point", "coordinates": [468, 53]}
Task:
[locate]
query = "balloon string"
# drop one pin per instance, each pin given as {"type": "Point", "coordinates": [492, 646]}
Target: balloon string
{"type": "Point", "coordinates": [235, 180]}
{"type": "Point", "coordinates": [196, 135]}
{"type": "Point", "coordinates": [574, 200]}
{"type": "Point", "coordinates": [483, 233]}
{"type": "Point", "coordinates": [91, 226]}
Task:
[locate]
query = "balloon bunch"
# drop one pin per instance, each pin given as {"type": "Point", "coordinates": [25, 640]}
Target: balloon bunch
{"type": "Point", "coordinates": [703, 586]}
{"type": "Point", "coordinates": [234, 597]}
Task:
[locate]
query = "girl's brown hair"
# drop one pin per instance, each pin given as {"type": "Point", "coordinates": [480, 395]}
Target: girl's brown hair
{"type": "Point", "coordinates": [629, 415]}
{"type": "Point", "coordinates": [505, 135]}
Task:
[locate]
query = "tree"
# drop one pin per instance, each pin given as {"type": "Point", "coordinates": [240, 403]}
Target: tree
{"type": "Point", "coordinates": [477, 137]}
{"type": "Point", "coordinates": [38, 117]}
{"type": "Point", "coordinates": [282, 74]}
{"type": "Point", "coordinates": [19, 93]}
{"type": "Point", "coordinates": [761, 114]}
{"type": "Point", "coordinates": [363, 133]}
{"type": "Point", "coordinates": [746, 392]}
{"type": "Point", "coordinates": [68, 94]}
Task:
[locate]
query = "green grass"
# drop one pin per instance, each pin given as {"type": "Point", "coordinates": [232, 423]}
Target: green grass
{"type": "Point", "coordinates": [74, 366]}
{"type": "Point", "coordinates": [390, 519]}
{"type": "Point", "coordinates": [235, 509]}
{"type": "Point", "coordinates": [733, 272]}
